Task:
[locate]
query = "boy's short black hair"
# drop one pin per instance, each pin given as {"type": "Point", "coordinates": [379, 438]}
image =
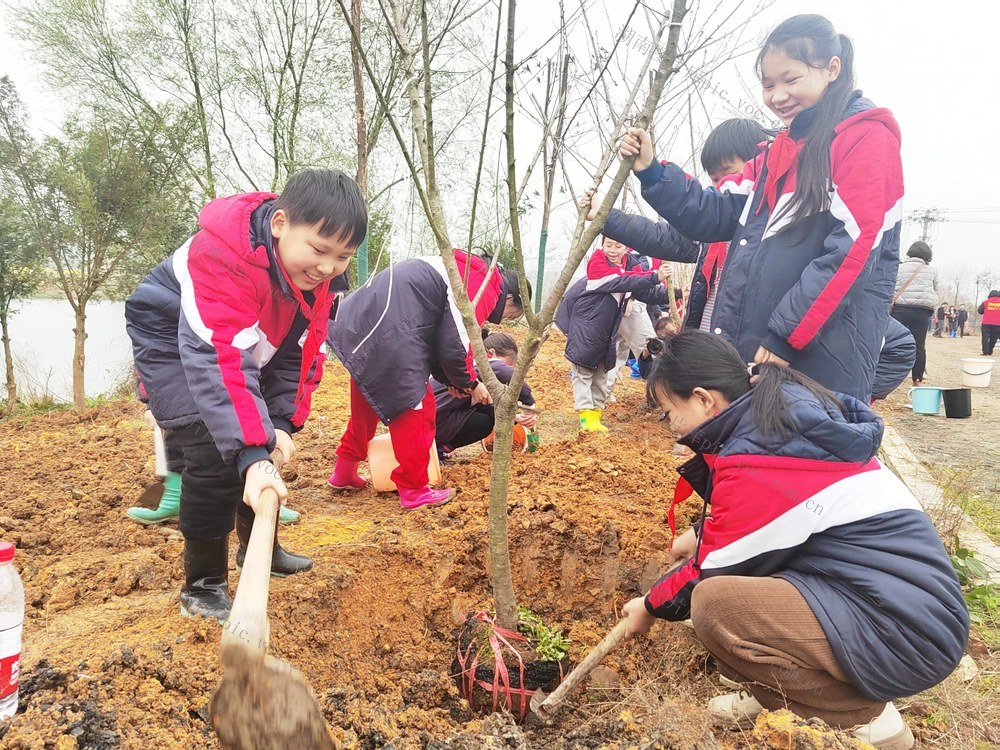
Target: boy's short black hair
{"type": "Point", "coordinates": [922, 250]}
{"type": "Point", "coordinates": [734, 139]}
{"type": "Point", "coordinates": [329, 196]}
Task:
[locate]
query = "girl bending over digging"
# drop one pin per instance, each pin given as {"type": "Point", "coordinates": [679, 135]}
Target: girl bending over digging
{"type": "Point", "coordinates": [817, 582]}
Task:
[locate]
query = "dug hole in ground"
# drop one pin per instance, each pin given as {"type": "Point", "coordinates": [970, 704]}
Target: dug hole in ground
{"type": "Point", "coordinates": [110, 663]}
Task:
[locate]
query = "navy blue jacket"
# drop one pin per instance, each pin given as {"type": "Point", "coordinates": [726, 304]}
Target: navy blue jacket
{"type": "Point", "coordinates": [403, 327]}
{"type": "Point", "coordinates": [817, 293]}
{"type": "Point", "coordinates": [817, 509]}
{"type": "Point", "coordinates": [592, 311]}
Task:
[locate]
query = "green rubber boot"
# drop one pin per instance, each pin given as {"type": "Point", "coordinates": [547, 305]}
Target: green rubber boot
{"type": "Point", "coordinates": [170, 503]}
{"type": "Point", "coordinates": [287, 515]}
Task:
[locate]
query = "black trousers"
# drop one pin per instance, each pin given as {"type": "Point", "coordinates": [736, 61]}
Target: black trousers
{"type": "Point", "coordinates": [213, 490]}
{"type": "Point", "coordinates": [476, 427]}
{"type": "Point", "coordinates": [918, 321]}
{"type": "Point", "coordinates": [991, 334]}
{"type": "Point", "coordinates": [174, 454]}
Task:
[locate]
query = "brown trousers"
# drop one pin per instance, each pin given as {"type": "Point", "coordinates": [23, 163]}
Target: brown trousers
{"type": "Point", "coordinates": [763, 635]}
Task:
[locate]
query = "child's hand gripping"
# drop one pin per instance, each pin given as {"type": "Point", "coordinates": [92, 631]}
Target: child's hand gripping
{"type": "Point", "coordinates": [636, 142]}
{"type": "Point", "coordinates": [591, 200]}
{"type": "Point", "coordinates": [259, 477]}
{"type": "Point", "coordinates": [284, 449]}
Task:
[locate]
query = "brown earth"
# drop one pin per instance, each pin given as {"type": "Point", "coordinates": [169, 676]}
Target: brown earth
{"type": "Point", "coordinates": [110, 663]}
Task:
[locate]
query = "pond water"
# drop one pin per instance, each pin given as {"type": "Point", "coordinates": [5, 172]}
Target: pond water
{"type": "Point", "coordinates": [41, 335]}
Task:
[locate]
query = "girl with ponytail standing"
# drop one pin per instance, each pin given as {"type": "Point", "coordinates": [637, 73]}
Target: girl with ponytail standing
{"type": "Point", "coordinates": [816, 581]}
{"type": "Point", "coordinates": [813, 222]}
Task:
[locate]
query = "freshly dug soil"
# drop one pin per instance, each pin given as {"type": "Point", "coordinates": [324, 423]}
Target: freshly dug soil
{"type": "Point", "coordinates": [110, 663]}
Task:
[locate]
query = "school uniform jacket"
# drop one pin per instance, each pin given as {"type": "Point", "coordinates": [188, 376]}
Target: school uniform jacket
{"type": "Point", "coordinates": [221, 336]}
{"type": "Point", "coordinates": [816, 294]}
{"type": "Point", "coordinates": [403, 326]}
{"type": "Point", "coordinates": [453, 413]}
{"type": "Point", "coordinates": [817, 509]}
{"type": "Point", "coordinates": [593, 308]}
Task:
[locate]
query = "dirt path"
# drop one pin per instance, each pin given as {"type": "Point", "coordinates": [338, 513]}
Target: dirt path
{"type": "Point", "coordinates": [959, 452]}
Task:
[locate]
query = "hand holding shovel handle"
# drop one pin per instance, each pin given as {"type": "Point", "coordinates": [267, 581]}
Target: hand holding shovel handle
{"type": "Point", "coordinates": [248, 625]}
{"type": "Point", "coordinates": [544, 706]}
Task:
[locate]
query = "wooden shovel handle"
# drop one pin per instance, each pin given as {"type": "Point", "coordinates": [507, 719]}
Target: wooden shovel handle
{"type": "Point", "coordinates": [247, 624]}
{"type": "Point", "coordinates": [574, 678]}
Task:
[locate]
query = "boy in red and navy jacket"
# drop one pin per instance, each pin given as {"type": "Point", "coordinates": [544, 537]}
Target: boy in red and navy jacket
{"type": "Point", "coordinates": [227, 336]}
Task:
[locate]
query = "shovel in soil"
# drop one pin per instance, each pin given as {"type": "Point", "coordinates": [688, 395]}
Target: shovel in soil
{"type": "Point", "coordinates": [544, 706]}
{"type": "Point", "coordinates": [262, 703]}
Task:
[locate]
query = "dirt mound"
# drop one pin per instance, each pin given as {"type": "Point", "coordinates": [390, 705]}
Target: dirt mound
{"type": "Point", "coordinates": [110, 663]}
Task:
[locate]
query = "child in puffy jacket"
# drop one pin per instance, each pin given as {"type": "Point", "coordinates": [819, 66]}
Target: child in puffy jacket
{"type": "Point", "coordinates": [813, 222]}
{"type": "Point", "coordinates": [393, 335]}
{"type": "Point", "coordinates": [227, 336]}
{"type": "Point", "coordinates": [590, 315]}
{"type": "Point", "coordinates": [461, 422]}
{"type": "Point", "coordinates": [817, 582]}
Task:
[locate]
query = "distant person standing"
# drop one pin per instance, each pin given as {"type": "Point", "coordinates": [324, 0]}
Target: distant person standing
{"type": "Point", "coordinates": [990, 310]}
{"type": "Point", "coordinates": [939, 319]}
{"type": "Point", "coordinates": [952, 322]}
{"type": "Point", "coordinates": [963, 318]}
{"type": "Point", "coordinates": [914, 299]}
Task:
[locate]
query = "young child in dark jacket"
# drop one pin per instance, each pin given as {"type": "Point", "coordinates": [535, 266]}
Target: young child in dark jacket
{"type": "Point", "coordinates": [590, 315]}
{"type": "Point", "coordinates": [811, 270]}
{"type": "Point", "coordinates": [817, 581]}
{"type": "Point", "coordinates": [392, 335]}
{"type": "Point", "coordinates": [727, 150]}
{"type": "Point", "coordinates": [461, 422]}
{"type": "Point", "coordinates": [227, 336]}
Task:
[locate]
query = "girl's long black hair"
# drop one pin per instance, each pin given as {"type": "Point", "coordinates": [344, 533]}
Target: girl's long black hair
{"type": "Point", "coordinates": [502, 343]}
{"type": "Point", "coordinates": [695, 359]}
{"type": "Point", "coordinates": [811, 39]}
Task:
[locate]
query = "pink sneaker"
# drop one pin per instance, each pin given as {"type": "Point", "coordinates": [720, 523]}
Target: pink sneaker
{"type": "Point", "coordinates": [345, 476]}
{"type": "Point", "coordinates": [411, 499]}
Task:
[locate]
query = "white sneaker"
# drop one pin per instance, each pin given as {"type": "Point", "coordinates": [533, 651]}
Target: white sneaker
{"type": "Point", "coordinates": [735, 709]}
{"type": "Point", "coordinates": [887, 731]}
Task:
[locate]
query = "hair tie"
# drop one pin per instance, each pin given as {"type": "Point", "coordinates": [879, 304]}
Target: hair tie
{"type": "Point", "coordinates": [753, 369]}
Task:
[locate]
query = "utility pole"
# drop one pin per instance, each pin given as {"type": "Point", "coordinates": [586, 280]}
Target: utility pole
{"type": "Point", "coordinates": [926, 218]}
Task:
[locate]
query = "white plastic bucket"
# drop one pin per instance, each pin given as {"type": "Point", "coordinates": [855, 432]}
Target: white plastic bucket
{"type": "Point", "coordinates": [976, 372]}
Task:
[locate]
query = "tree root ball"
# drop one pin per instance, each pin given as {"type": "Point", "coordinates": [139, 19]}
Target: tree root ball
{"type": "Point", "coordinates": [266, 705]}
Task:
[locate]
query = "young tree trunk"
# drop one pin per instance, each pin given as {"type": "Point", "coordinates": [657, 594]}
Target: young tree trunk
{"type": "Point", "coordinates": [500, 571]}
{"type": "Point", "coordinates": [79, 355]}
{"type": "Point", "coordinates": [8, 360]}
{"type": "Point", "coordinates": [362, 131]}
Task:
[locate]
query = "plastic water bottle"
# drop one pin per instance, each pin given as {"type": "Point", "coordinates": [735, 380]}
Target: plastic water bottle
{"type": "Point", "coordinates": [11, 619]}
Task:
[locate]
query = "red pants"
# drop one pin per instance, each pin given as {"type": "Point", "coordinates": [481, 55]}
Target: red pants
{"type": "Point", "coordinates": [412, 433]}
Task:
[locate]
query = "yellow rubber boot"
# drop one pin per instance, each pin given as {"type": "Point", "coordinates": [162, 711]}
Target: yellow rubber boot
{"type": "Point", "coordinates": [584, 419]}
{"type": "Point", "coordinates": [596, 425]}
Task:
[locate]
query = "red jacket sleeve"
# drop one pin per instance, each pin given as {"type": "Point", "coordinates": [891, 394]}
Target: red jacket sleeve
{"type": "Point", "coordinates": [867, 175]}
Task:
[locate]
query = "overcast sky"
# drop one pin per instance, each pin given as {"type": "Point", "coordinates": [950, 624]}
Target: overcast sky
{"type": "Point", "coordinates": [933, 64]}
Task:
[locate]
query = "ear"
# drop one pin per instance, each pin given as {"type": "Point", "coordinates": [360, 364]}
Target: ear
{"type": "Point", "coordinates": [705, 400]}
{"type": "Point", "coordinates": [510, 296]}
{"type": "Point", "coordinates": [279, 222]}
{"type": "Point", "coordinates": [833, 68]}
{"type": "Point", "coordinates": [491, 352]}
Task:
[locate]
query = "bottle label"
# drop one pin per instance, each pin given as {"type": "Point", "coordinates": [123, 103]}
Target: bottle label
{"type": "Point", "coordinates": [10, 660]}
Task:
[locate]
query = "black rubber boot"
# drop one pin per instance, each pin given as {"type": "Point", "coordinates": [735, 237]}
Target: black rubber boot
{"type": "Point", "coordinates": [206, 578]}
{"type": "Point", "coordinates": [283, 563]}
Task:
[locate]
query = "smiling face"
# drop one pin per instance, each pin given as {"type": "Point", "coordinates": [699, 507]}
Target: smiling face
{"type": "Point", "coordinates": [308, 257]}
{"type": "Point", "coordinates": [790, 85]}
{"type": "Point", "coordinates": [614, 251]}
